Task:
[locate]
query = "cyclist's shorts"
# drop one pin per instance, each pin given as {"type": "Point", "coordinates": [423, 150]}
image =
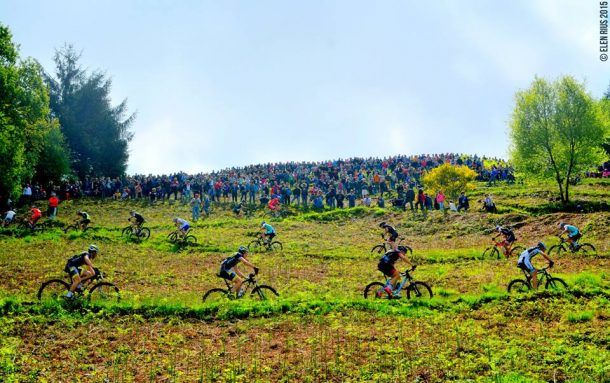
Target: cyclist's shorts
{"type": "Point", "coordinates": [185, 227]}
{"type": "Point", "coordinates": [270, 235]}
{"type": "Point", "coordinates": [393, 237]}
{"type": "Point", "coordinates": [525, 263]}
{"type": "Point", "coordinates": [227, 274]}
{"type": "Point", "coordinates": [71, 270]}
{"type": "Point", "coordinates": [510, 239]}
{"type": "Point", "coordinates": [387, 269]}
{"type": "Point", "coordinates": [576, 237]}
{"type": "Point", "coordinates": [85, 221]}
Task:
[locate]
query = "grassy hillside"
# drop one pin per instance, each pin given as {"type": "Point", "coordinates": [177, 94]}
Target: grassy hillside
{"type": "Point", "coordinates": [321, 329]}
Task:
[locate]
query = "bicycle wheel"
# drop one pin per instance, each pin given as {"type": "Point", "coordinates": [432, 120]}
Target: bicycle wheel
{"type": "Point", "coordinates": [253, 246]}
{"type": "Point", "coordinates": [419, 290]}
{"type": "Point", "coordinates": [488, 253]}
{"type": "Point", "coordinates": [518, 286]}
{"type": "Point", "coordinates": [190, 240]}
{"type": "Point", "coordinates": [379, 249]}
{"type": "Point", "coordinates": [374, 290]}
{"type": "Point", "coordinates": [104, 292]}
{"type": "Point", "coordinates": [587, 249]}
{"type": "Point", "coordinates": [276, 246]}
{"type": "Point", "coordinates": [516, 251]}
{"type": "Point", "coordinates": [217, 295]}
{"type": "Point", "coordinates": [53, 289]}
{"type": "Point", "coordinates": [556, 249]}
{"type": "Point", "coordinates": [264, 293]}
{"type": "Point", "coordinates": [144, 233]}
{"type": "Point", "coordinates": [126, 231]}
{"type": "Point", "coordinates": [172, 237]}
{"type": "Point", "coordinates": [555, 284]}
{"type": "Point", "coordinates": [70, 228]}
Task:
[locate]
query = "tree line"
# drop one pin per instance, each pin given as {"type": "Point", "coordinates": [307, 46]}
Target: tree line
{"type": "Point", "coordinates": [60, 125]}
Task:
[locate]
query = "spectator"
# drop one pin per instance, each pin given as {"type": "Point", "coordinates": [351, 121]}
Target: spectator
{"type": "Point", "coordinates": [440, 200]}
{"type": "Point", "coordinates": [409, 197]}
{"type": "Point", "coordinates": [195, 207]}
{"type": "Point", "coordinates": [463, 203]}
{"type": "Point", "coordinates": [53, 203]}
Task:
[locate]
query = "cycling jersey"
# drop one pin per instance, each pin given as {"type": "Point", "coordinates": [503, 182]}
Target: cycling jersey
{"type": "Point", "coordinates": [74, 264]}
{"type": "Point", "coordinates": [525, 258]}
{"type": "Point", "coordinates": [572, 230]}
{"type": "Point", "coordinates": [36, 213]}
{"type": "Point", "coordinates": [139, 219]}
{"type": "Point", "coordinates": [510, 236]}
{"type": "Point", "coordinates": [393, 233]}
{"type": "Point", "coordinates": [390, 257]}
{"type": "Point", "coordinates": [84, 214]}
{"type": "Point", "coordinates": [9, 215]}
{"type": "Point", "coordinates": [183, 224]}
{"type": "Point", "coordinates": [226, 267]}
{"type": "Point", "coordinates": [268, 229]}
{"type": "Point", "coordinates": [386, 263]}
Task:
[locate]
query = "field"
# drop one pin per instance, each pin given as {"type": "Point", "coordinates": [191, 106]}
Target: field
{"type": "Point", "coordinates": [321, 329]}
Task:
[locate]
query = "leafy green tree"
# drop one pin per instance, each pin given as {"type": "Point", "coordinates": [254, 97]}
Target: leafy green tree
{"type": "Point", "coordinates": [25, 117]}
{"type": "Point", "coordinates": [96, 132]}
{"type": "Point", "coordinates": [451, 179]}
{"type": "Point", "coordinates": [54, 161]}
{"type": "Point", "coordinates": [556, 131]}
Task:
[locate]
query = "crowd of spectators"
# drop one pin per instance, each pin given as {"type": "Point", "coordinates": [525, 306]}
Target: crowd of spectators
{"type": "Point", "coordinates": [338, 183]}
{"type": "Point", "coordinates": [603, 171]}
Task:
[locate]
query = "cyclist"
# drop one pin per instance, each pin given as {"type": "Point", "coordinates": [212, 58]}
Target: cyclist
{"type": "Point", "coordinates": [274, 204]}
{"type": "Point", "coordinates": [393, 234]}
{"type": "Point", "coordinates": [182, 226]}
{"type": "Point", "coordinates": [268, 232]}
{"type": "Point", "coordinates": [573, 234]}
{"type": "Point", "coordinates": [525, 263]}
{"type": "Point", "coordinates": [229, 270]}
{"type": "Point", "coordinates": [8, 218]}
{"type": "Point", "coordinates": [136, 221]}
{"type": "Point", "coordinates": [386, 266]}
{"type": "Point", "coordinates": [84, 219]}
{"type": "Point", "coordinates": [509, 239]}
{"type": "Point", "coordinates": [74, 265]}
{"type": "Point", "coordinates": [36, 214]}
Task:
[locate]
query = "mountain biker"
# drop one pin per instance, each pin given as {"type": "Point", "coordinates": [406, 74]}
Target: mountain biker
{"type": "Point", "coordinates": [525, 263]}
{"type": "Point", "coordinates": [135, 219]}
{"type": "Point", "coordinates": [386, 266]}
{"type": "Point", "coordinates": [74, 265]}
{"type": "Point", "coordinates": [9, 216]}
{"type": "Point", "coordinates": [229, 270]}
{"type": "Point", "coordinates": [36, 214]}
{"type": "Point", "coordinates": [182, 226]}
{"type": "Point", "coordinates": [84, 220]}
{"type": "Point", "coordinates": [393, 234]}
{"type": "Point", "coordinates": [509, 239]}
{"type": "Point", "coordinates": [573, 234]}
{"type": "Point", "coordinates": [274, 203]}
{"type": "Point", "coordinates": [268, 232]}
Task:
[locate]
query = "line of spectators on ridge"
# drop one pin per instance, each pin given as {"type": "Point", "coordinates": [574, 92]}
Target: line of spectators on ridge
{"type": "Point", "coordinates": [293, 182]}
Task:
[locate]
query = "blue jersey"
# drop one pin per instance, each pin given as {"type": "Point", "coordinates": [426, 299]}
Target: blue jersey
{"type": "Point", "coordinates": [268, 229]}
{"type": "Point", "coordinates": [572, 230]}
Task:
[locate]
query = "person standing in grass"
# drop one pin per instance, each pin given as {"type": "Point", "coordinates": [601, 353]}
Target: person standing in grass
{"type": "Point", "coordinates": [53, 203]}
{"type": "Point", "coordinates": [229, 270]}
{"type": "Point", "coordinates": [195, 206]}
{"type": "Point", "coordinates": [440, 200]}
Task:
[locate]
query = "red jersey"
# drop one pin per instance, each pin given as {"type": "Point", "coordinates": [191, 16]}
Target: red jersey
{"type": "Point", "coordinates": [53, 201]}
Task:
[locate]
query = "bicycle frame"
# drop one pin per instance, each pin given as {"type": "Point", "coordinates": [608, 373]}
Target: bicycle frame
{"type": "Point", "coordinates": [542, 275]}
{"type": "Point", "coordinates": [406, 277]}
{"type": "Point", "coordinates": [246, 284]}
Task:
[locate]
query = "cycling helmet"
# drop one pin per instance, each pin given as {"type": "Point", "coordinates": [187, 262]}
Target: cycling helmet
{"type": "Point", "coordinates": [242, 250]}
{"type": "Point", "coordinates": [175, 219]}
{"type": "Point", "coordinates": [93, 248]}
{"type": "Point", "coordinates": [541, 246]}
{"type": "Point", "coordinates": [562, 224]}
{"type": "Point", "coordinates": [132, 212]}
{"type": "Point", "coordinates": [402, 249]}
{"type": "Point", "coordinates": [263, 223]}
{"type": "Point", "coordinates": [498, 227]}
{"type": "Point", "coordinates": [382, 224]}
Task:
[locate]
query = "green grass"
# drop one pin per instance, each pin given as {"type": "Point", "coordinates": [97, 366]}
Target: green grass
{"type": "Point", "coordinates": [320, 329]}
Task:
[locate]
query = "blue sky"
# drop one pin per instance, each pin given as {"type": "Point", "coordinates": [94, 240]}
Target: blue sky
{"type": "Point", "coordinates": [230, 83]}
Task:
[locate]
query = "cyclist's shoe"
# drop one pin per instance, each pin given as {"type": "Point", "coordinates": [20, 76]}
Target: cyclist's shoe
{"type": "Point", "coordinates": [79, 288]}
{"type": "Point", "coordinates": [576, 246]}
{"type": "Point", "coordinates": [396, 296]}
{"type": "Point", "coordinates": [240, 293]}
{"type": "Point", "coordinates": [389, 291]}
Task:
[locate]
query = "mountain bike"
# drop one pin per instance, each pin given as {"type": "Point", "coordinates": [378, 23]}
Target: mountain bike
{"type": "Point", "coordinates": [93, 289]}
{"type": "Point", "coordinates": [36, 227]}
{"type": "Point", "coordinates": [77, 226]}
{"type": "Point", "coordinates": [415, 289]}
{"type": "Point", "coordinates": [137, 232]}
{"type": "Point", "coordinates": [385, 246]}
{"type": "Point", "coordinates": [564, 246]}
{"type": "Point", "coordinates": [262, 292]}
{"type": "Point", "coordinates": [261, 243]}
{"type": "Point", "coordinates": [544, 277]}
{"type": "Point", "coordinates": [496, 251]}
{"type": "Point", "coordinates": [180, 239]}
